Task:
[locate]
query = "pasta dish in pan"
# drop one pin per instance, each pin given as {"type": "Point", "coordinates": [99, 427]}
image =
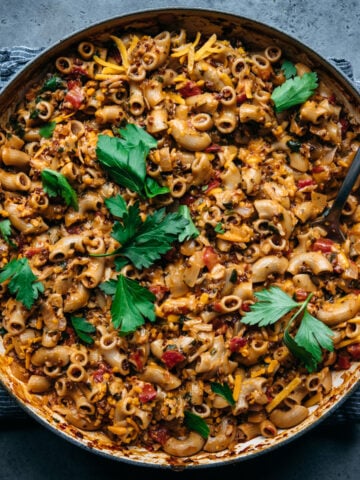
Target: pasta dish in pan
{"type": "Point", "coordinates": [161, 279]}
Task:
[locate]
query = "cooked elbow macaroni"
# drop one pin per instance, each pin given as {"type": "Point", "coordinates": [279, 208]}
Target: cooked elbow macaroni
{"type": "Point", "coordinates": [224, 153]}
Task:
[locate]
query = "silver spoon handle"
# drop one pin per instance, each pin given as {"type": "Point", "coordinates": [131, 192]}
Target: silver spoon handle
{"type": "Point", "coordinates": [346, 186]}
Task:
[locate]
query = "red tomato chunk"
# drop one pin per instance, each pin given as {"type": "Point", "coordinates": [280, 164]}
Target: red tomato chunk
{"type": "Point", "coordinates": [190, 89]}
{"type": "Point", "coordinates": [210, 258]}
{"type": "Point", "coordinates": [323, 245]}
{"type": "Point", "coordinates": [172, 358]}
{"type": "Point", "coordinates": [236, 343]}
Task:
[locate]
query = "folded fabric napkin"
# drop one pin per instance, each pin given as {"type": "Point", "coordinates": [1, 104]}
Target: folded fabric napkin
{"type": "Point", "coordinates": [11, 61]}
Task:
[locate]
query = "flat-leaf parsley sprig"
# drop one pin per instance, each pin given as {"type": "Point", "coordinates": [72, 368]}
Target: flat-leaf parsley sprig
{"type": "Point", "coordinates": [82, 329]}
{"type": "Point", "coordinates": [294, 91]}
{"type": "Point", "coordinates": [5, 232]}
{"type": "Point", "coordinates": [132, 304]}
{"type": "Point", "coordinates": [23, 283]}
{"type": "Point", "coordinates": [312, 334]}
{"type": "Point", "coordinates": [197, 424]}
{"type": "Point", "coordinates": [124, 159]}
{"type": "Point", "coordinates": [143, 242]}
{"type": "Point", "coordinates": [55, 184]}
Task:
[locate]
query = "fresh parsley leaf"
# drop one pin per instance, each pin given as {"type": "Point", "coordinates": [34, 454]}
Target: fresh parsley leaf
{"type": "Point", "coordinates": [294, 91]}
{"type": "Point", "coordinates": [82, 327]}
{"type": "Point", "coordinates": [131, 305]}
{"type": "Point", "coordinates": [5, 231]}
{"type": "Point", "coordinates": [24, 284]}
{"type": "Point", "coordinates": [132, 135]}
{"type": "Point", "coordinates": [125, 160]}
{"type": "Point", "coordinates": [299, 352]}
{"type": "Point", "coordinates": [142, 243]}
{"type": "Point", "coordinates": [272, 305]}
{"type": "Point", "coordinates": [47, 129]}
{"type": "Point", "coordinates": [219, 228]}
{"type": "Point", "coordinates": [224, 391]}
{"type": "Point", "coordinates": [233, 276]}
{"type": "Point", "coordinates": [312, 334]}
{"type": "Point", "coordinates": [294, 145]}
{"type": "Point", "coordinates": [52, 84]}
{"type": "Point", "coordinates": [197, 424]}
{"type": "Point", "coordinates": [153, 238]}
{"type": "Point", "coordinates": [289, 69]}
{"type": "Point", "coordinates": [55, 184]}
{"type": "Point", "coordinates": [190, 231]}
{"type": "Point", "coordinates": [34, 114]}
{"type": "Point", "coordinates": [152, 188]}
{"type": "Point", "coordinates": [127, 170]}
{"type": "Point", "coordinates": [116, 206]}
{"type": "Point", "coordinates": [126, 231]}
{"type": "Point", "coordinates": [108, 287]}
{"type": "Point", "coordinates": [120, 262]}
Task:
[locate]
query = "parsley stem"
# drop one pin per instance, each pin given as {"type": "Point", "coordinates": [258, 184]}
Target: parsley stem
{"type": "Point", "coordinates": [302, 306]}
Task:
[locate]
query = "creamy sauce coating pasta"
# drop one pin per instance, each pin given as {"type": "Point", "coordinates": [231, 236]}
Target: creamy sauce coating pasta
{"type": "Point", "coordinates": [253, 181]}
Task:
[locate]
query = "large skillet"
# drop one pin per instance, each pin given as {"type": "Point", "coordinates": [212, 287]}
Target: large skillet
{"type": "Point", "coordinates": [253, 34]}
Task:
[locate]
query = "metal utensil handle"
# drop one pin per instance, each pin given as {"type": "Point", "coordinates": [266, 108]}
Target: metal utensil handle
{"type": "Point", "coordinates": [348, 184]}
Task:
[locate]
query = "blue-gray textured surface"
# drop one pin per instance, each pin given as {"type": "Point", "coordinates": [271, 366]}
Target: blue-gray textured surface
{"type": "Point", "coordinates": [330, 27]}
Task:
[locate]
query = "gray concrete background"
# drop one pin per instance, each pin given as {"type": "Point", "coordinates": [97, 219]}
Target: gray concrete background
{"type": "Point", "coordinates": [30, 452]}
{"type": "Point", "coordinates": [331, 27]}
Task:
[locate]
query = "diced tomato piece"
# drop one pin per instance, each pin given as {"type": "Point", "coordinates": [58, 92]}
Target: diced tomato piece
{"type": "Point", "coordinates": [236, 343]}
{"type": "Point", "coordinates": [269, 394]}
{"type": "Point", "coordinates": [217, 307]}
{"type": "Point", "coordinates": [344, 125]}
{"type": "Point", "coordinates": [74, 229]}
{"type": "Point", "coordinates": [241, 98]}
{"type": "Point", "coordinates": [317, 169]}
{"type": "Point", "coordinates": [324, 245]}
{"type": "Point", "coordinates": [213, 148]}
{"type": "Point", "coordinates": [69, 336]}
{"type": "Point", "coordinates": [190, 89]}
{"type": "Point", "coordinates": [187, 200]}
{"type": "Point", "coordinates": [159, 291]}
{"type": "Point", "coordinates": [136, 358]}
{"type": "Point", "coordinates": [159, 434]}
{"type": "Point", "coordinates": [98, 375]}
{"type": "Point", "coordinates": [30, 252]}
{"type": "Point", "coordinates": [245, 307]}
{"type": "Point", "coordinates": [354, 351]}
{"type": "Point", "coordinates": [73, 83]}
{"type": "Point", "coordinates": [78, 70]}
{"type": "Point", "coordinates": [147, 394]}
{"type": "Point", "coordinates": [213, 184]}
{"type": "Point", "coordinates": [172, 358]}
{"type": "Point", "coordinates": [332, 99]}
{"type": "Point", "coordinates": [343, 362]}
{"type": "Point", "coordinates": [306, 182]}
{"type": "Point", "coordinates": [210, 257]}
{"type": "Point", "coordinates": [301, 295]}
{"type": "Point", "coordinates": [75, 96]}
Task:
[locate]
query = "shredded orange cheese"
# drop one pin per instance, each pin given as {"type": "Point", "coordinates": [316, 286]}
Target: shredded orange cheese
{"type": "Point", "coordinates": [237, 386]}
{"type": "Point", "coordinates": [315, 399]}
{"type": "Point", "coordinates": [104, 63]}
{"type": "Point", "coordinates": [285, 392]}
{"type": "Point", "coordinates": [122, 49]}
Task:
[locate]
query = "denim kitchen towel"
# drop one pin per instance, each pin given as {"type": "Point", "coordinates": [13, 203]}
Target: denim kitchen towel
{"type": "Point", "coordinates": [11, 60]}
